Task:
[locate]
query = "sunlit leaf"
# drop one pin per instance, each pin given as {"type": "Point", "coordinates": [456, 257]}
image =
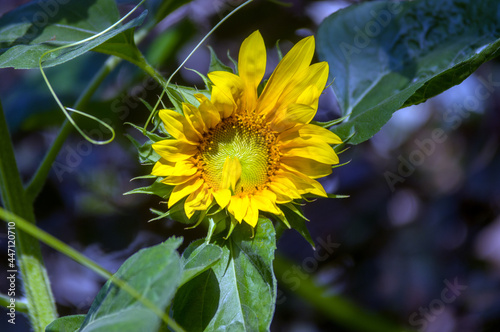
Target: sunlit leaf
{"type": "Point", "coordinates": [238, 293]}
{"type": "Point", "coordinates": [155, 274]}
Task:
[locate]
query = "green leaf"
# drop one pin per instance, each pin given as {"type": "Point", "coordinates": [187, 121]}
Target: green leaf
{"type": "Point", "coordinates": [197, 258]}
{"type": "Point", "coordinates": [29, 31]}
{"type": "Point", "coordinates": [388, 55]}
{"type": "Point", "coordinates": [197, 301]}
{"type": "Point", "coordinates": [66, 324]}
{"type": "Point", "coordinates": [238, 293]}
{"type": "Point", "coordinates": [154, 273]}
{"type": "Point", "coordinates": [216, 64]}
{"type": "Point", "coordinates": [123, 46]}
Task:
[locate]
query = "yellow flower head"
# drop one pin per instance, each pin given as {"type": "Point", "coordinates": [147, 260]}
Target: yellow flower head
{"type": "Point", "coordinates": [247, 152]}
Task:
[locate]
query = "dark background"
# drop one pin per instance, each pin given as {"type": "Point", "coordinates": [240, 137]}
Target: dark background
{"type": "Point", "coordinates": [398, 244]}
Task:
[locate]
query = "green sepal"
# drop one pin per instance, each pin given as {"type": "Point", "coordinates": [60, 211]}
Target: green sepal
{"type": "Point", "coordinates": [337, 196]}
{"type": "Point", "coordinates": [177, 213]}
{"type": "Point", "coordinates": [147, 156]}
{"type": "Point", "coordinates": [235, 63]}
{"type": "Point", "coordinates": [141, 177]}
{"type": "Point", "coordinates": [216, 64]}
{"type": "Point", "coordinates": [341, 147]}
{"type": "Point", "coordinates": [156, 188]}
{"type": "Point", "coordinates": [152, 136]}
{"type": "Point", "coordinates": [330, 123]}
{"type": "Point", "coordinates": [278, 50]}
{"type": "Point", "coordinates": [343, 164]}
{"type": "Point", "coordinates": [297, 210]}
{"type": "Point", "coordinates": [203, 77]}
{"type": "Point", "coordinates": [297, 221]}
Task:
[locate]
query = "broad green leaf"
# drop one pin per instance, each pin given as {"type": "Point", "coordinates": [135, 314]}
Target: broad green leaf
{"type": "Point", "coordinates": [29, 31]}
{"type": "Point", "coordinates": [66, 324]}
{"type": "Point", "coordinates": [386, 55]}
{"type": "Point", "coordinates": [238, 293]}
{"type": "Point", "coordinates": [197, 258]}
{"type": "Point", "coordinates": [197, 301]}
{"type": "Point", "coordinates": [123, 46]}
{"type": "Point", "coordinates": [154, 273]}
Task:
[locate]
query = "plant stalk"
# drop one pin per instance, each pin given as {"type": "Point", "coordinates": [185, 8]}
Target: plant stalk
{"type": "Point", "coordinates": [28, 256]}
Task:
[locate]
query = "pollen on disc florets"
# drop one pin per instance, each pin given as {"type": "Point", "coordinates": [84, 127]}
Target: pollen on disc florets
{"type": "Point", "coordinates": [246, 137]}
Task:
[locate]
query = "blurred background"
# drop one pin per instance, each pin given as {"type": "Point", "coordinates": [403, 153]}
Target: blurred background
{"type": "Point", "coordinates": [417, 241]}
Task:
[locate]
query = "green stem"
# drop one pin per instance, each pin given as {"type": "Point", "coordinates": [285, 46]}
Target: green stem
{"type": "Point", "coordinates": [28, 256]}
{"type": "Point", "coordinates": [38, 180]}
{"type": "Point", "coordinates": [339, 309]}
{"type": "Point", "coordinates": [20, 305]}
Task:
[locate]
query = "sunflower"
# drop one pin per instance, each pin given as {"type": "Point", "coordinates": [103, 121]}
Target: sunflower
{"type": "Point", "coordinates": [249, 152]}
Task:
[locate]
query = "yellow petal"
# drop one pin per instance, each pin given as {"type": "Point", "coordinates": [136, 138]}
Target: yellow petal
{"type": "Point", "coordinates": [313, 77]}
{"type": "Point", "coordinates": [184, 168]}
{"type": "Point", "coordinates": [183, 190]}
{"type": "Point", "coordinates": [177, 126]}
{"type": "Point", "coordinates": [312, 148]}
{"type": "Point", "coordinates": [309, 167]}
{"type": "Point", "coordinates": [193, 116]}
{"type": "Point", "coordinates": [222, 197]}
{"type": "Point", "coordinates": [230, 85]}
{"type": "Point", "coordinates": [252, 66]}
{"type": "Point", "coordinates": [174, 150]}
{"type": "Point", "coordinates": [284, 189]}
{"type": "Point", "coordinates": [208, 111]}
{"type": "Point", "coordinates": [163, 167]}
{"type": "Point", "coordinates": [309, 97]}
{"type": "Point", "coordinates": [238, 207]}
{"type": "Point", "coordinates": [223, 101]}
{"type": "Point", "coordinates": [305, 184]}
{"type": "Point", "coordinates": [294, 114]}
{"type": "Point", "coordinates": [265, 200]}
{"type": "Point", "coordinates": [231, 173]}
{"type": "Point", "coordinates": [197, 200]}
{"type": "Point", "coordinates": [252, 215]}
{"type": "Point", "coordinates": [309, 131]}
{"type": "Point", "coordinates": [294, 62]}
{"type": "Point", "coordinates": [177, 180]}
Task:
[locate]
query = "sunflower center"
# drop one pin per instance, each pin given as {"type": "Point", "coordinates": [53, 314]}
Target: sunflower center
{"type": "Point", "coordinates": [238, 139]}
